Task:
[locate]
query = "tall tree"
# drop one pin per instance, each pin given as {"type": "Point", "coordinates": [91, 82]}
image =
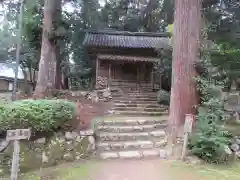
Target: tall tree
{"type": "Point", "coordinates": [47, 64]}
{"type": "Point", "coordinates": [58, 42]}
{"type": "Point", "coordinates": [186, 37]}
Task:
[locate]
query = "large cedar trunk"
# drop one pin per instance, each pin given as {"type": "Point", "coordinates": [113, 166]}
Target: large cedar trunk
{"type": "Point", "coordinates": [47, 64]}
{"type": "Point", "coordinates": [184, 96]}
{"type": "Point", "coordinates": [58, 78]}
{"type": "Point", "coordinates": [59, 43]}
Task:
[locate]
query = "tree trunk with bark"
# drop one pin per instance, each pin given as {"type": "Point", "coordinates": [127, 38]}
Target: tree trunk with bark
{"type": "Point", "coordinates": [59, 44]}
{"type": "Point", "coordinates": [26, 82]}
{"type": "Point", "coordinates": [186, 46]}
{"type": "Point", "coordinates": [47, 64]}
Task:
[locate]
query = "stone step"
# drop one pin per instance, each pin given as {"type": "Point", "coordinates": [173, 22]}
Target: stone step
{"type": "Point", "coordinates": [147, 109]}
{"type": "Point", "coordinates": [133, 86]}
{"type": "Point", "coordinates": [110, 136]}
{"type": "Point", "coordinates": [138, 113]}
{"type": "Point", "coordinates": [143, 95]}
{"type": "Point", "coordinates": [139, 91]}
{"type": "Point", "coordinates": [130, 84]}
{"type": "Point", "coordinates": [140, 105]}
{"type": "Point", "coordinates": [123, 145]}
{"type": "Point", "coordinates": [139, 97]}
{"type": "Point", "coordinates": [134, 154]}
{"type": "Point", "coordinates": [133, 121]}
{"type": "Point", "coordinates": [135, 128]}
{"type": "Point", "coordinates": [116, 95]}
{"type": "Point", "coordinates": [136, 101]}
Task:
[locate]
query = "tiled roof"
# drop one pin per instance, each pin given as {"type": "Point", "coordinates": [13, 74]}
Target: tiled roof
{"type": "Point", "coordinates": [126, 58]}
{"type": "Point", "coordinates": [127, 40]}
{"type": "Point", "coordinates": [10, 79]}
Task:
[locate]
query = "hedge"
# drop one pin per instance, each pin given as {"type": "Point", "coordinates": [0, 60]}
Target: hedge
{"type": "Point", "coordinates": [39, 115]}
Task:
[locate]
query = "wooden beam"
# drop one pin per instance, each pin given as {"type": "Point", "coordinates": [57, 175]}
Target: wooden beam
{"type": "Point", "coordinates": [161, 75]}
{"type": "Point", "coordinates": [97, 69]}
{"type": "Point", "coordinates": [152, 76]}
{"type": "Point", "coordinates": [138, 77]}
{"type": "Point", "coordinates": [109, 74]}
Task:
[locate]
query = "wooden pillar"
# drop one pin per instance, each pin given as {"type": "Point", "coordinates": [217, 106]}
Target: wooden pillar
{"type": "Point", "coordinates": [138, 77]}
{"type": "Point", "coordinates": [109, 74]}
{"type": "Point", "coordinates": [152, 77]}
{"type": "Point", "coordinates": [161, 75]}
{"type": "Point", "coordinates": [97, 69]}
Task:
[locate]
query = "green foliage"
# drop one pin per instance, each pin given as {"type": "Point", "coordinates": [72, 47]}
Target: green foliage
{"type": "Point", "coordinates": [163, 97]}
{"type": "Point", "coordinates": [223, 20]}
{"type": "Point", "coordinates": [164, 67]}
{"type": "Point", "coordinates": [219, 67]}
{"type": "Point", "coordinates": [170, 29]}
{"type": "Point", "coordinates": [210, 140]}
{"type": "Point", "coordinates": [39, 115]}
{"type": "Point", "coordinates": [228, 59]}
{"type": "Point", "coordinates": [71, 27]}
{"type": "Point", "coordinates": [133, 16]}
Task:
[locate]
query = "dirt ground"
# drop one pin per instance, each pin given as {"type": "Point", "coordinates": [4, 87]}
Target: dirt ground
{"type": "Point", "coordinates": [136, 170]}
{"type": "Point", "coordinates": [160, 170]}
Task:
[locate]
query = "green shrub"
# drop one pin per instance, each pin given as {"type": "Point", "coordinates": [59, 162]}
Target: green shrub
{"type": "Point", "coordinates": [163, 97]}
{"type": "Point", "coordinates": [39, 115]}
{"type": "Point", "coordinates": [210, 142]}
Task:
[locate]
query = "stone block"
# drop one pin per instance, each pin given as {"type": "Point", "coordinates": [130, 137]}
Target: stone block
{"type": "Point", "coordinates": [129, 154]}
{"type": "Point", "coordinates": [89, 132]}
{"type": "Point", "coordinates": [161, 143]}
{"type": "Point", "coordinates": [68, 157]}
{"type": "Point", "coordinates": [109, 155]}
{"type": "Point", "coordinates": [40, 141]}
{"type": "Point", "coordinates": [70, 135]}
{"type": "Point", "coordinates": [157, 133]}
{"type": "Point", "coordinates": [152, 152]}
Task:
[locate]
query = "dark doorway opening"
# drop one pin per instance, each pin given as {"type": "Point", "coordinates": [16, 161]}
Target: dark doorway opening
{"type": "Point", "coordinates": [129, 71]}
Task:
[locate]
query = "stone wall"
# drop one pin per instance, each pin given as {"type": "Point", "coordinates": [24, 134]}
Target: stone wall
{"type": "Point", "coordinates": [45, 152]}
{"type": "Point", "coordinates": [235, 147]}
{"type": "Point", "coordinates": [92, 105]}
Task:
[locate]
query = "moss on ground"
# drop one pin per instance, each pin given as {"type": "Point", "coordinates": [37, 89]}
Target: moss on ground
{"type": "Point", "coordinates": [57, 150]}
{"type": "Point", "coordinates": [68, 171]}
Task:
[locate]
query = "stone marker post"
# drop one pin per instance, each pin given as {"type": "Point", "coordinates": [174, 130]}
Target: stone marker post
{"type": "Point", "coordinates": [16, 136]}
{"type": "Point", "coordinates": [189, 118]}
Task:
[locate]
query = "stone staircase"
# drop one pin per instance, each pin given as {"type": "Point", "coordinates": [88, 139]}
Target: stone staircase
{"type": "Point", "coordinates": [136, 129]}
{"type": "Point", "coordinates": [139, 103]}
{"type": "Point", "coordinates": [131, 85]}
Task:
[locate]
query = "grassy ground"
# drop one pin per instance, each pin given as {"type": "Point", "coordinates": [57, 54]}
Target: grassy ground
{"type": "Point", "coordinates": [176, 169]}
{"type": "Point", "coordinates": [68, 171]}
{"type": "Point", "coordinates": [207, 172]}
